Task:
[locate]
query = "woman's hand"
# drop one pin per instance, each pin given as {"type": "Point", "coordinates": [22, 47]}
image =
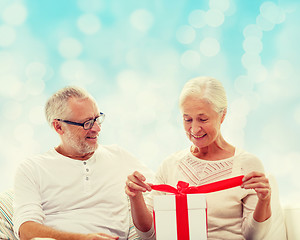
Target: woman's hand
{"type": "Point", "coordinates": [260, 183]}
{"type": "Point", "coordinates": [135, 184]}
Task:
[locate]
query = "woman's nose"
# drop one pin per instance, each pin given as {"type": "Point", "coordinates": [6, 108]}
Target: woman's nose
{"type": "Point", "coordinates": [196, 127]}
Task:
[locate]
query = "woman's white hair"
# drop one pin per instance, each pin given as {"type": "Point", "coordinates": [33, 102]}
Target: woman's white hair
{"type": "Point", "coordinates": [206, 88]}
{"type": "Point", "coordinates": [57, 105]}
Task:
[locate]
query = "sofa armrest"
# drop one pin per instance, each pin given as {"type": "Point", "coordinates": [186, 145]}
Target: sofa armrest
{"type": "Point", "coordinates": [292, 216]}
{"type": "Point", "coordinates": [6, 213]}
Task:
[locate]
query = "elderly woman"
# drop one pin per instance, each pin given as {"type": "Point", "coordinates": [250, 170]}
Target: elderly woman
{"type": "Point", "coordinates": [237, 213]}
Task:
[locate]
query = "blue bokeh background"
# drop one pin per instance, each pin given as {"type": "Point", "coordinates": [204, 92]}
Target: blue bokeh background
{"type": "Point", "coordinates": [135, 56]}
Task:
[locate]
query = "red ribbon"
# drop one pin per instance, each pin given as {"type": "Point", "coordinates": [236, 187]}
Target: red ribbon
{"type": "Point", "coordinates": [180, 192]}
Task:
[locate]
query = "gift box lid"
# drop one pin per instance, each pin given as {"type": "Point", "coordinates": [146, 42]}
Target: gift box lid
{"type": "Point", "coordinates": [167, 202]}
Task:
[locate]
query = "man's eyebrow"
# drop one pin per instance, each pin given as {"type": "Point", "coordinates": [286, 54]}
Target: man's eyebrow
{"type": "Point", "coordinates": [90, 118]}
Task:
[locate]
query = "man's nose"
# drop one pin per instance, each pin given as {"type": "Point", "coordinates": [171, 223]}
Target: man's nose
{"type": "Point", "coordinates": [96, 127]}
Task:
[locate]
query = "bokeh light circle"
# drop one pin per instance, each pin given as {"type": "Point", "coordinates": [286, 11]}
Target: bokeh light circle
{"type": "Point", "coordinates": [128, 78]}
{"type": "Point", "coordinates": [251, 60]}
{"type": "Point", "coordinates": [36, 115]}
{"type": "Point", "coordinates": [70, 48]}
{"type": "Point", "coordinates": [221, 5]}
{"type": "Point", "coordinates": [12, 110]}
{"type": "Point", "coordinates": [15, 14]}
{"type": "Point", "coordinates": [197, 18]}
{"type": "Point", "coordinates": [264, 23]}
{"type": "Point", "coordinates": [185, 34]}
{"type": "Point", "coordinates": [72, 70]}
{"type": "Point", "coordinates": [35, 70]}
{"type": "Point", "coordinates": [272, 12]}
{"type": "Point", "coordinates": [252, 30]}
{"type": "Point", "coordinates": [142, 20]}
{"type": "Point", "coordinates": [252, 45]}
{"type": "Point", "coordinates": [35, 86]}
{"type": "Point", "coordinates": [8, 35]}
{"type": "Point", "coordinates": [297, 115]}
{"type": "Point", "coordinates": [91, 6]}
{"type": "Point", "coordinates": [89, 24]}
{"type": "Point", "coordinates": [214, 18]}
{"type": "Point", "coordinates": [10, 85]}
{"type": "Point", "coordinates": [190, 59]}
{"type": "Point", "coordinates": [243, 84]}
{"type": "Point", "coordinates": [283, 69]}
{"type": "Point", "coordinates": [209, 47]}
{"type": "Point", "coordinates": [257, 72]}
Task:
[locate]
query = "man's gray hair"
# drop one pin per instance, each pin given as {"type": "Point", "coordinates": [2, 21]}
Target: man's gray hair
{"type": "Point", "coordinates": [57, 105]}
{"type": "Point", "coordinates": [206, 88]}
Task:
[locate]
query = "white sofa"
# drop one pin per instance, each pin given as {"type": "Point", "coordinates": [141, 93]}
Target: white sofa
{"type": "Point", "coordinates": [284, 225]}
{"type": "Point", "coordinates": [284, 220]}
{"type": "Point", "coordinates": [292, 223]}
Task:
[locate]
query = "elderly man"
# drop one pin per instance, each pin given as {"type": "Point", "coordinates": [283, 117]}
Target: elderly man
{"type": "Point", "coordinates": [75, 190]}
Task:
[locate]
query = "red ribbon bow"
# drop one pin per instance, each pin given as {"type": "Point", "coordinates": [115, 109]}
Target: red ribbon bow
{"type": "Point", "coordinates": [181, 199]}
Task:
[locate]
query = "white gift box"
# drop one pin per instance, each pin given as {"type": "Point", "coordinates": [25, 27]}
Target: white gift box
{"type": "Point", "coordinates": [166, 220]}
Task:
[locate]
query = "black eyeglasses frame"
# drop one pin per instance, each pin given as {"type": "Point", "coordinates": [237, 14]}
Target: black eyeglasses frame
{"type": "Point", "coordinates": [91, 122]}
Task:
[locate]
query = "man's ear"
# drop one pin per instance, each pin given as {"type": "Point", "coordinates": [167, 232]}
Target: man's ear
{"type": "Point", "coordinates": [57, 127]}
{"type": "Point", "coordinates": [223, 115]}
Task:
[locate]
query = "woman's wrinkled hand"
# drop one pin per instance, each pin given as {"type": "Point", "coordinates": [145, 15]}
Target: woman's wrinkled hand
{"type": "Point", "coordinates": [260, 183]}
{"type": "Point", "coordinates": [136, 184]}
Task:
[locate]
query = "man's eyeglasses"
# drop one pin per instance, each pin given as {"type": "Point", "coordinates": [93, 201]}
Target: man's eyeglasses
{"type": "Point", "coordinates": [87, 124]}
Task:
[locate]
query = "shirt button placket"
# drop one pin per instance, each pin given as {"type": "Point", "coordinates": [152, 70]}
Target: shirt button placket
{"type": "Point", "coordinates": [86, 176]}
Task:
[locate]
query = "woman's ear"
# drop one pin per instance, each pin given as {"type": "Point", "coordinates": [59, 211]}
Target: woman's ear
{"type": "Point", "coordinates": [223, 115]}
{"type": "Point", "coordinates": [57, 126]}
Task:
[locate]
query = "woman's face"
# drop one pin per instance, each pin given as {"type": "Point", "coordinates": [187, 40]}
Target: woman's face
{"type": "Point", "coordinates": [201, 122]}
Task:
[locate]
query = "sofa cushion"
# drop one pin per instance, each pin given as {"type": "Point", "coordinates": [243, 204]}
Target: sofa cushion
{"type": "Point", "coordinates": [6, 212]}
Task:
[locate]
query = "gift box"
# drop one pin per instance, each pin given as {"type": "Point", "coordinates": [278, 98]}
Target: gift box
{"type": "Point", "coordinates": [180, 217]}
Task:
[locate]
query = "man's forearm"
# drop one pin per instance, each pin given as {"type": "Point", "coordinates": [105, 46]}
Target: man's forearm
{"type": "Point", "coordinates": [29, 230]}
